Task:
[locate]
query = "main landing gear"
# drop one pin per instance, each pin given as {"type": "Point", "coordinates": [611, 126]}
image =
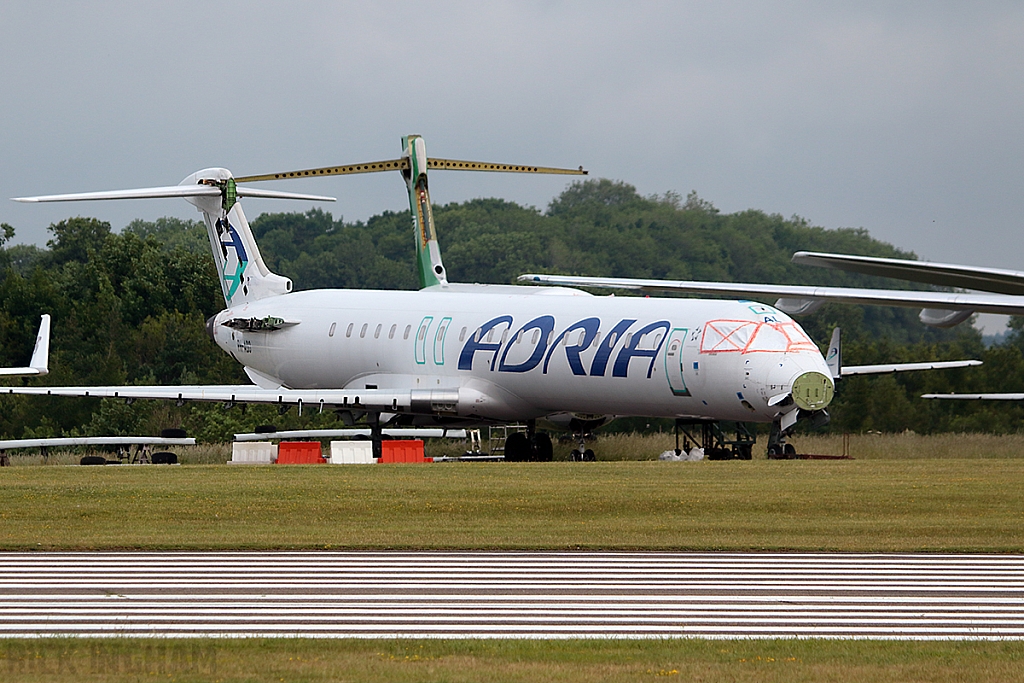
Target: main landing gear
{"type": "Point", "coordinates": [529, 446]}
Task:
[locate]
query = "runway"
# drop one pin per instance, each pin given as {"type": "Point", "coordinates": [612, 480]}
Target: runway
{"type": "Point", "coordinates": [512, 595]}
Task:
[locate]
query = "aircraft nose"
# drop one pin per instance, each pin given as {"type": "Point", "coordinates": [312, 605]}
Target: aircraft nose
{"type": "Point", "coordinates": [813, 391]}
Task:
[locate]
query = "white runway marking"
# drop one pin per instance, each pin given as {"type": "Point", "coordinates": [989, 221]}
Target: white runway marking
{"type": "Point", "coordinates": [520, 595]}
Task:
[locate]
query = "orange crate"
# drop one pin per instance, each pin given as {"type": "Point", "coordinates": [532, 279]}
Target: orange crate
{"type": "Point", "coordinates": [299, 453]}
{"type": "Point", "coordinates": [406, 450]}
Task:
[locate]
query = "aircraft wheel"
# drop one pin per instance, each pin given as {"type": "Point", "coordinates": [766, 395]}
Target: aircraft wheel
{"type": "Point", "coordinates": [173, 434]}
{"type": "Point", "coordinates": [265, 429]}
{"type": "Point", "coordinates": [93, 460]}
{"type": "Point", "coordinates": [164, 458]}
{"type": "Point", "coordinates": [789, 450]}
{"type": "Point", "coordinates": [745, 452]}
{"type": "Point", "coordinates": [517, 448]}
{"type": "Point", "coordinates": [774, 452]}
{"type": "Point", "coordinates": [589, 456]}
{"type": "Point", "coordinates": [575, 455]}
{"type": "Point", "coordinates": [543, 450]}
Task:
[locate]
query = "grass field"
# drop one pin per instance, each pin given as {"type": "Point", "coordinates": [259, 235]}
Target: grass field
{"type": "Point", "coordinates": [922, 504]}
{"type": "Point", "coordinates": [952, 493]}
{"type": "Point", "coordinates": [508, 660]}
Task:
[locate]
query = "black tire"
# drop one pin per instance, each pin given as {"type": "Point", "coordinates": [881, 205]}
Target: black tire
{"type": "Point", "coordinates": [774, 452]}
{"type": "Point", "coordinates": [164, 458]}
{"type": "Point", "coordinates": [789, 450]}
{"type": "Point", "coordinates": [745, 452]}
{"type": "Point", "coordinates": [92, 460]}
{"type": "Point", "coordinates": [542, 448]}
{"type": "Point", "coordinates": [589, 456]}
{"type": "Point", "coordinates": [173, 434]}
{"type": "Point", "coordinates": [575, 456]}
{"type": "Point", "coordinates": [517, 448]}
{"type": "Point", "coordinates": [265, 429]}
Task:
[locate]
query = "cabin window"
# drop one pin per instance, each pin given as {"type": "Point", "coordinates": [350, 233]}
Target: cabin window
{"type": "Point", "coordinates": [376, 332]}
{"type": "Point", "coordinates": [504, 336]}
{"type": "Point", "coordinates": [422, 333]}
{"type": "Point", "coordinates": [628, 338]}
{"type": "Point", "coordinates": [519, 337]}
{"type": "Point", "coordinates": [408, 329]}
{"type": "Point", "coordinates": [362, 332]}
{"type": "Point", "coordinates": [391, 334]}
{"type": "Point", "coordinates": [597, 337]}
{"type": "Point", "coordinates": [462, 334]}
{"type": "Point", "coordinates": [476, 335]}
{"type": "Point", "coordinates": [333, 327]}
{"type": "Point", "coordinates": [348, 332]}
{"type": "Point", "coordinates": [490, 335]}
{"type": "Point", "coordinates": [536, 337]}
{"type": "Point", "coordinates": [657, 340]}
{"type": "Point", "coordinates": [551, 337]}
{"type": "Point", "coordinates": [611, 339]}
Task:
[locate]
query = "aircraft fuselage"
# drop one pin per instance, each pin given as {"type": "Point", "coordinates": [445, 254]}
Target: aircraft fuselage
{"type": "Point", "coordinates": [510, 352]}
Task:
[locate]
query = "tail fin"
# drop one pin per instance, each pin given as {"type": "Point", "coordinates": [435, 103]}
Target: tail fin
{"type": "Point", "coordinates": [39, 365]}
{"type": "Point", "coordinates": [243, 274]}
{"type": "Point", "coordinates": [834, 357]}
{"type": "Point", "coordinates": [428, 253]}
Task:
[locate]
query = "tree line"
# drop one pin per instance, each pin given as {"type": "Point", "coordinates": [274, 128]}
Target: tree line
{"type": "Point", "coordinates": [129, 306]}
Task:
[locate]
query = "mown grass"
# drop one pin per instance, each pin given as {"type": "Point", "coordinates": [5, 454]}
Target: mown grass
{"type": "Point", "coordinates": [949, 505]}
{"type": "Point", "coordinates": [455, 661]}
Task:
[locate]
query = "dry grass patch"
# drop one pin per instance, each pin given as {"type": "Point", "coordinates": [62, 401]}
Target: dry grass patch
{"type": "Point", "coordinates": [568, 661]}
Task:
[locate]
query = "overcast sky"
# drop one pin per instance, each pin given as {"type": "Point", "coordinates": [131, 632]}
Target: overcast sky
{"type": "Point", "coordinates": [906, 119]}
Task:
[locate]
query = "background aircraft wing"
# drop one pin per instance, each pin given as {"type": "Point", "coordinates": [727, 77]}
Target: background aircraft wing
{"type": "Point", "coordinates": [978, 397]}
{"type": "Point", "coordinates": [943, 274]}
{"type": "Point", "coordinates": [57, 442]}
{"type": "Point", "coordinates": [794, 298]}
{"type": "Point", "coordinates": [849, 370]}
{"type": "Point", "coordinates": [371, 399]}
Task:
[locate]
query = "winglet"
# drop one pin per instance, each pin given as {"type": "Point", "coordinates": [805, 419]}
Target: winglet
{"type": "Point", "coordinates": [41, 353]}
{"type": "Point", "coordinates": [834, 357]}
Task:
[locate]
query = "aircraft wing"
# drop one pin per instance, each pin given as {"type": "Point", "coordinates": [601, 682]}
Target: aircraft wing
{"type": "Point", "coordinates": [370, 399]}
{"type": "Point", "coordinates": [943, 274]}
{"type": "Point", "coordinates": [56, 442]}
{"type": "Point", "coordinates": [792, 296]}
{"type": "Point", "coordinates": [849, 370]}
{"type": "Point", "coordinates": [978, 397]}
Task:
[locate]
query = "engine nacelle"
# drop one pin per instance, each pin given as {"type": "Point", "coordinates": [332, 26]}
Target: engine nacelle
{"type": "Point", "coordinates": [940, 317]}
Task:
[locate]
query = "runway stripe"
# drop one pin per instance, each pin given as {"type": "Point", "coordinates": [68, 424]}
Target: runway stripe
{"type": "Point", "coordinates": [527, 595]}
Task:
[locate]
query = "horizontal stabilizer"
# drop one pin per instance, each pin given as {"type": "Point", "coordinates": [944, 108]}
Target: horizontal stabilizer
{"type": "Point", "coordinates": [171, 191]}
{"type": "Point", "coordinates": [907, 367]}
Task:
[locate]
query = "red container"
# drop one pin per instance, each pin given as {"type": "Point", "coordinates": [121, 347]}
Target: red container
{"type": "Point", "coordinates": [406, 450]}
{"type": "Point", "coordinates": [299, 453]}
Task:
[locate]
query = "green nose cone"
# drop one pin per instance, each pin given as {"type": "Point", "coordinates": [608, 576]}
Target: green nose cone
{"type": "Point", "coordinates": [813, 391]}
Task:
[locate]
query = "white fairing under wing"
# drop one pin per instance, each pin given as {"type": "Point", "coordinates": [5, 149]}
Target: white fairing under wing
{"type": "Point", "coordinates": [39, 364]}
{"type": "Point", "coordinates": [948, 301]}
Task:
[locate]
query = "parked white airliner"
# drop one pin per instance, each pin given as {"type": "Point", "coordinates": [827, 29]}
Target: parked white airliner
{"type": "Point", "coordinates": [454, 352]}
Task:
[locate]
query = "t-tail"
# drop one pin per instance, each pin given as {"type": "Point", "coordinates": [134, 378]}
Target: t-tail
{"type": "Point", "coordinates": [243, 274]}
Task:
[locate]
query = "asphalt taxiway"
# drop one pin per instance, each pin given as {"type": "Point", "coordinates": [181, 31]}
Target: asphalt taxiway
{"type": "Point", "coordinates": [507, 594]}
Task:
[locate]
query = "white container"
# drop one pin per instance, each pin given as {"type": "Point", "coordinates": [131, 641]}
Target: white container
{"type": "Point", "coordinates": [253, 453]}
{"type": "Point", "coordinates": [352, 453]}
